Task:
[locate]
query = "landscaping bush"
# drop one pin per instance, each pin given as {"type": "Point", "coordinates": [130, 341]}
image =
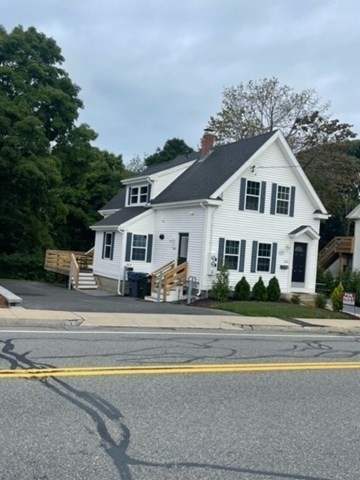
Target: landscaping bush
{"type": "Point", "coordinates": [325, 282]}
{"type": "Point", "coordinates": [273, 290]}
{"type": "Point", "coordinates": [337, 298]}
{"type": "Point", "coordinates": [26, 267]}
{"type": "Point", "coordinates": [320, 300]}
{"type": "Point", "coordinates": [220, 289]}
{"type": "Point", "coordinates": [295, 299]}
{"type": "Point", "coordinates": [259, 291]}
{"type": "Point", "coordinates": [242, 290]}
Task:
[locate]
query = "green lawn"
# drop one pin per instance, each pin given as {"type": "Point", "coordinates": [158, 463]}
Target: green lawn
{"type": "Point", "coordinates": [277, 309]}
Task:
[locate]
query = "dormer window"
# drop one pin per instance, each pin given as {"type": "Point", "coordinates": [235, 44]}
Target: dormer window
{"type": "Point", "coordinates": [139, 195]}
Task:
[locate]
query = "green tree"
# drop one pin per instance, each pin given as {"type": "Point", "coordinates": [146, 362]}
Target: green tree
{"type": "Point", "coordinates": [38, 104]}
{"type": "Point", "coordinates": [265, 105]}
{"type": "Point", "coordinates": [52, 179]}
{"type": "Point", "coordinates": [170, 150]}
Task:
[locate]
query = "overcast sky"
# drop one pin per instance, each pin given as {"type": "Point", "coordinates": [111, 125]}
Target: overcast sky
{"type": "Point", "coordinates": [150, 70]}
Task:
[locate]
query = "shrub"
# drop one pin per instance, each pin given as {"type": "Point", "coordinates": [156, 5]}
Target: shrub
{"type": "Point", "coordinates": [273, 290]}
{"type": "Point", "coordinates": [242, 290]}
{"type": "Point", "coordinates": [259, 291]}
{"type": "Point", "coordinates": [325, 282]}
{"type": "Point", "coordinates": [295, 299]}
{"type": "Point", "coordinates": [320, 300]}
{"type": "Point", "coordinates": [220, 288]}
{"type": "Point", "coordinates": [337, 298]}
{"type": "Point", "coordinates": [23, 266]}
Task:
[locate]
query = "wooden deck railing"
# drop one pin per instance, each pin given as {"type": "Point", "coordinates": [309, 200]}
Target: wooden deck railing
{"type": "Point", "coordinates": [175, 277]}
{"type": "Point", "coordinates": [158, 275]}
{"type": "Point", "coordinates": [59, 261]}
{"type": "Point", "coordinates": [74, 272]}
{"type": "Point", "coordinates": [167, 278]}
{"type": "Point", "coordinates": [337, 247]}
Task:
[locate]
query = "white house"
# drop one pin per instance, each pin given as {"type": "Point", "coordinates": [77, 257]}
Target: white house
{"type": "Point", "coordinates": [248, 204]}
{"type": "Point", "coordinates": [355, 215]}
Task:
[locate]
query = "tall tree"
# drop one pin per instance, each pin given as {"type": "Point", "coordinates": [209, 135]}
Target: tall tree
{"type": "Point", "coordinates": [171, 149]}
{"type": "Point", "coordinates": [38, 105]}
{"type": "Point", "coordinates": [52, 179]}
{"type": "Point", "coordinates": [265, 105]}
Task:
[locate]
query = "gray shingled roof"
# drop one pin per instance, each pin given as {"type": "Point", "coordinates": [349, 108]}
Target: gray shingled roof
{"type": "Point", "coordinates": [206, 175]}
{"type": "Point", "coordinates": [120, 217]}
{"type": "Point", "coordinates": [159, 167]}
{"type": "Point", "coordinates": [116, 202]}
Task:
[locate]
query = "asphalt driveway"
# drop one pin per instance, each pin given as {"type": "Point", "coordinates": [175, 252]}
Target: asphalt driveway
{"type": "Point", "coordinates": [44, 296]}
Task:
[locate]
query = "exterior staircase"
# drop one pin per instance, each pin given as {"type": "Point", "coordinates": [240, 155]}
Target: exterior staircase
{"type": "Point", "coordinates": [86, 281]}
{"type": "Point", "coordinates": [338, 248]}
{"type": "Point", "coordinates": [168, 283]}
{"type": "Point", "coordinates": [76, 265]}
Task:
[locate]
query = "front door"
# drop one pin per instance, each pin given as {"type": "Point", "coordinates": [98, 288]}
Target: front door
{"type": "Point", "coordinates": [183, 248]}
{"type": "Point", "coordinates": [299, 262]}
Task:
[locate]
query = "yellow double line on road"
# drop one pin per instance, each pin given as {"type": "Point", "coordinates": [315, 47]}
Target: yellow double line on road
{"type": "Point", "coordinates": [175, 369]}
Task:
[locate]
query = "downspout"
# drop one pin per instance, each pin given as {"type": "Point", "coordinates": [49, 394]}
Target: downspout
{"type": "Point", "coordinates": [122, 262]}
{"type": "Point", "coordinates": [206, 213]}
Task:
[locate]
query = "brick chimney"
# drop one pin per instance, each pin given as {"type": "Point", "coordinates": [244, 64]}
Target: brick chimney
{"type": "Point", "coordinates": [207, 142]}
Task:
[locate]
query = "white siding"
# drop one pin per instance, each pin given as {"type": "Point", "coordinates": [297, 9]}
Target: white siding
{"type": "Point", "coordinates": [105, 267]}
{"type": "Point", "coordinates": [356, 255]}
{"type": "Point", "coordinates": [233, 224]}
{"type": "Point", "coordinates": [170, 223]}
{"type": "Point", "coordinates": [144, 226]}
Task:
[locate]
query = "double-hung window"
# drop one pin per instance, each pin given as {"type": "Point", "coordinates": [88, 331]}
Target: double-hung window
{"type": "Point", "coordinates": [108, 245]}
{"type": "Point", "coordinates": [139, 195]}
{"type": "Point", "coordinates": [252, 198]}
{"type": "Point", "coordinates": [264, 257]}
{"type": "Point", "coordinates": [232, 254]}
{"type": "Point", "coordinates": [138, 251]}
{"type": "Point", "coordinates": [282, 200]}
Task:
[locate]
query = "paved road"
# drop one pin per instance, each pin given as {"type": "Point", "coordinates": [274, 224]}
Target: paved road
{"type": "Point", "coordinates": [251, 426]}
{"type": "Point", "coordinates": [43, 296]}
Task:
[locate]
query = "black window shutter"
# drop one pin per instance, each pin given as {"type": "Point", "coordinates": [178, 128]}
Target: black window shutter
{"type": "Point", "coordinates": [112, 245]}
{"type": "Point", "coordinates": [221, 253]}
{"type": "Point", "coordinates": [273, 258]}
{"type": "Point", "coordinates": [103, 249]}
{"type": "Point", "coordinates": [273, 198]}
{"type": "Point", "coordinates": [128, 247]}
{"type": "Point", "coordinates": [262, 197]}
{"type": "Point", "coordinates": [149, 194]}
{"type": "Point", "coordinates": [254, 256]}
{"type": "Point", "coordinates": [149, 248]}
{"type": "Point", "coordinates": [242, 194]}
{"type": "Point", "coordinates": [292, 201]}
{"type": "Point", "coordinates": [242, 255]}
{"type": "Point", "coordinates": [129, 196]}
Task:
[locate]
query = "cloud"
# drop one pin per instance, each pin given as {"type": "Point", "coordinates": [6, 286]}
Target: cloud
{"type": "Point", "coordinates": [150, 71]}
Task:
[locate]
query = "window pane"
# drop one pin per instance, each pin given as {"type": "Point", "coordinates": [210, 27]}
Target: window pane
{"type": "Point", "coordinates": [282, 204]}
{"type": "Point", "coordinates": [232, 247]}
{"type": "Point", "coordinates": [264, 249]}
{"type": "Point", "coordinates": [252, 203]}
{"type": "Point", "coordinates": [144, 189]}
{"type": "Point", "coordinates": [252, 195]}
{"type": "Point", "coordinates": [253, 188]}
{"type": "Point", "coordinates": [139, 241]}
{"type": "Point", "coordinates": [263, 264]}
{"type": "Point", "coordinates": [283, 193]}
{"type": "Point", "coordinates": [231, 262]}
{"type": "Point", "coordinates": [282, 207]}
{"type": "Point", "coordinates": [138, 254]}
{"type": "Point", "coordinates": [184, 247]}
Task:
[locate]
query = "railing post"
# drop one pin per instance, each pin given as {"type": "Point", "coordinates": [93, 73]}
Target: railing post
{"type": "Point", "coordinates": [70, 276]}
{"type": "Point", "coordinates": [159, 287]}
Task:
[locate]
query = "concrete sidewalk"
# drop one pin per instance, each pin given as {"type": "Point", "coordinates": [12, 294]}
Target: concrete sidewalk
{"type": "Point", "coordinates": [18, 316]}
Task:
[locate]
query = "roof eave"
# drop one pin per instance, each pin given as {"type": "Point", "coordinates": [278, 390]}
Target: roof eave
{"type": "Point", "coordinates": [187, 203]}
